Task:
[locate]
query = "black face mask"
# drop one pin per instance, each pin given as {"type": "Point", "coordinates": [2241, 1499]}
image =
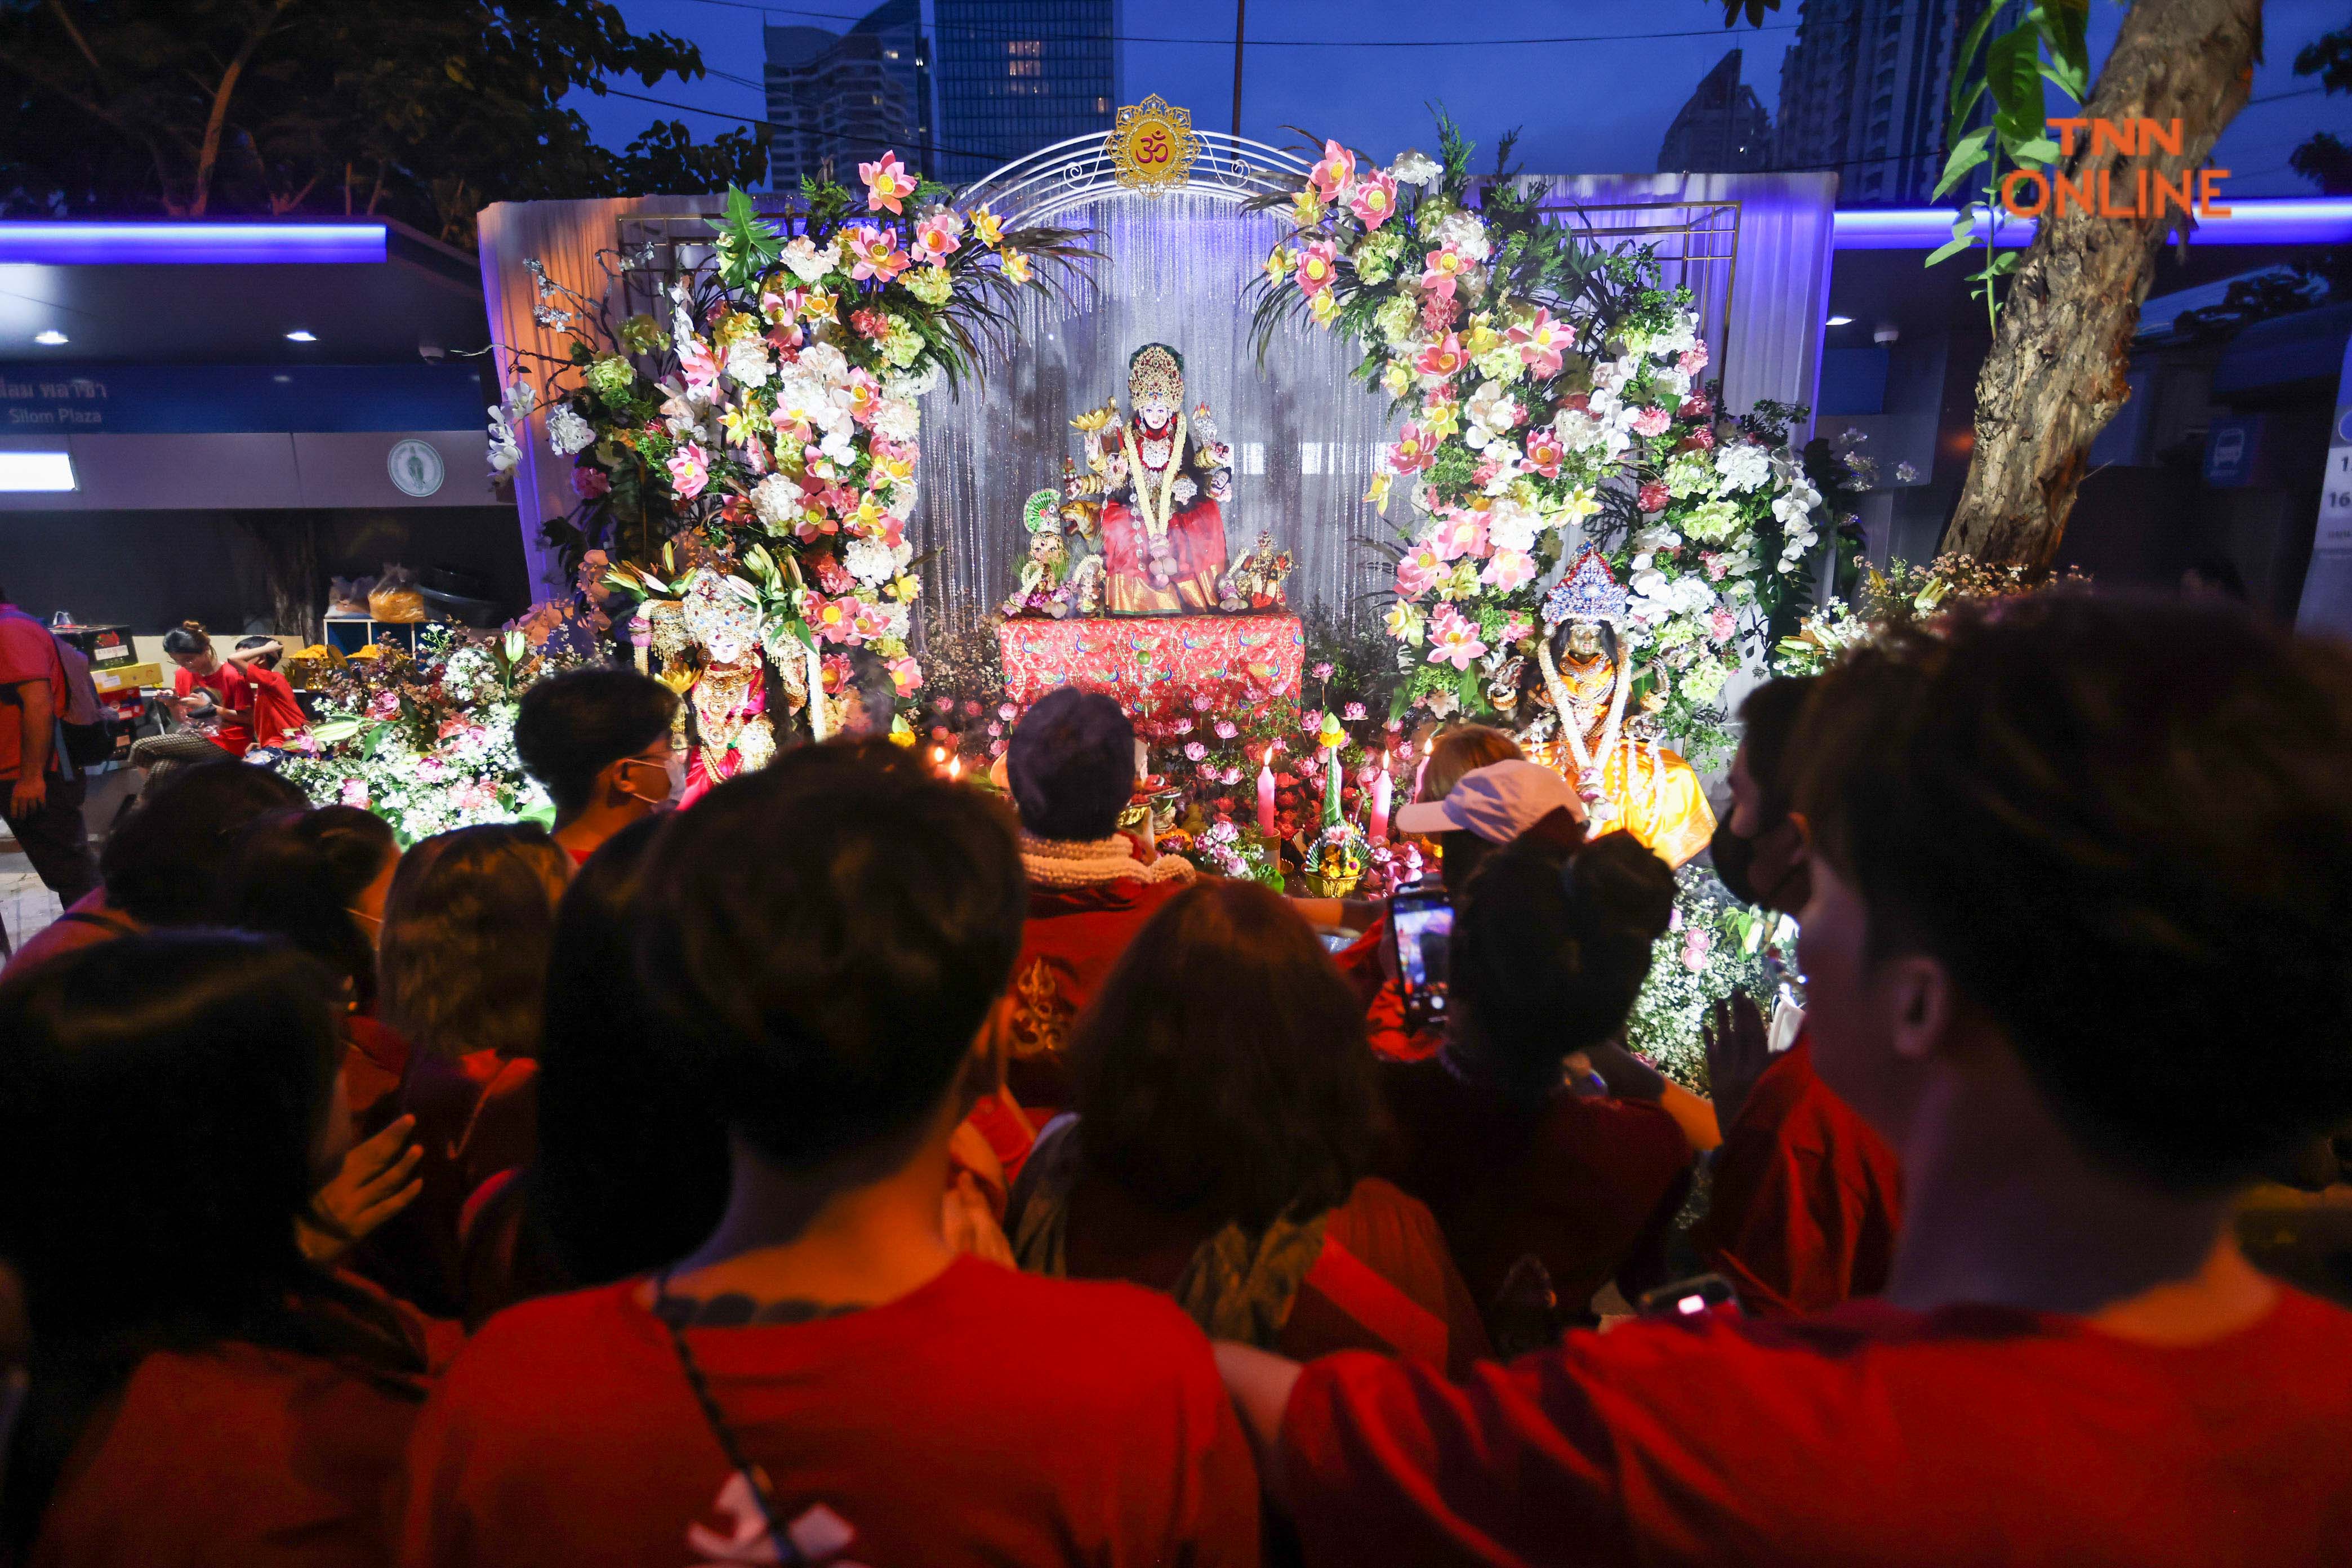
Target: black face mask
{"type": "Point", "coordinates": [1735, 865]}
{"type": "Point", "coordinates": [1733, 857]}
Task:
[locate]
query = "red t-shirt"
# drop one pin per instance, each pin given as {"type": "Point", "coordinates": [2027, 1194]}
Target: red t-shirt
{"type": "Point", "coordinates": [1068, 943]}
{"type": "Point", "coordinates": [1868, 1434]}
{"type": "Point", "coordinates": [264, 1458]}
{"type": "Point", "coordinates": [231, 688]}
{"type": "Point", "coordinates": [1806, 1199]}
{"type": "Point", "coordinates": [27, 653]}
{"type": "Point", "coordinates": [988, 1418]}
{"type": "Point", "coordinates": [277, 713]}
{"type": "Point", "coordinates": [1582, 1182]}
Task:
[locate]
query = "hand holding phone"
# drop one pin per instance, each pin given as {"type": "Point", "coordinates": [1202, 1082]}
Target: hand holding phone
{"type": "Point", "coordinates": [1421, 923]}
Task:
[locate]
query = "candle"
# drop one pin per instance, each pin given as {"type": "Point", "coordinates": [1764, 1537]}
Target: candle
{"type": "Point", "coordinates": [1428, 744]}
{"type": "Point", "coordinates": [1266, 793]}
{"type": "Point", "coordinates": [1383, 797]}
{"type": "Point", "coordinates": [955, 768]}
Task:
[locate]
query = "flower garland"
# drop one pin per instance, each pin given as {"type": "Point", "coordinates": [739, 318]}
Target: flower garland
{"type": "Point", "coordinates": [1552, 399]}
{"type": "Point", "coordinates": [767, 428]}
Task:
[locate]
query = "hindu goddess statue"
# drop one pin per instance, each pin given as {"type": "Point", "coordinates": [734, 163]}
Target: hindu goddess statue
{"type": "Point", "coordinates": [709, 641]}
{"type": "Point", "coordinates": [1162, 477]}
{"type": "Point", "coordinates": [1647, 791]}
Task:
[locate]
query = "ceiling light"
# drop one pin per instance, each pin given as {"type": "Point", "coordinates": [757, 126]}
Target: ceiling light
{"type": "Point", "coordinates": [49, 338]}
{"type": "Point", "coordinates": [27, 471]}
{"type": "Point", "coordinates": [301, 335]}
{"type": "Point", "coordinates": [1841, 321]}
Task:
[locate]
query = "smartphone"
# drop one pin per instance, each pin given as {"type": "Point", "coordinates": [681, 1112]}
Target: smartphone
{"type": "Point", "coordinates": [1688, 1298]}
{"type": "Point", "coordinates": [1421, 922]}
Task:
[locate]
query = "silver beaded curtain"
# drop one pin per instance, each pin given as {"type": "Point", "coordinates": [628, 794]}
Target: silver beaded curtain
{"type": "Point", "coordinates": [1176, 268]}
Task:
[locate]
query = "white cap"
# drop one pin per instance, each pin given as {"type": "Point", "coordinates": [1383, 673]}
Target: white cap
{"type": "Point", "coordinates": [1497, 802]}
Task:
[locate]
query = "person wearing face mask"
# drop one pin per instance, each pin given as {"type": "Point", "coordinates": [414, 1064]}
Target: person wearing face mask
{"type": "Point", "coordinates": [1806, 1198]}
{"type": "Point", "coordinates": [601, 743]}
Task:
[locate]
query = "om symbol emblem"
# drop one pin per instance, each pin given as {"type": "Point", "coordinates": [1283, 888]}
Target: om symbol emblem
{"type": "Point", "coordinates": [1151, 145]}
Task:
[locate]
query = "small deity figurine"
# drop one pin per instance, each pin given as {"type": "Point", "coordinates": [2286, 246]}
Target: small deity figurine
{"type": "Point", "coordinates": [1257, 581]}
{"type": "Point", "coordinates": [710, 644]}
{"type": "Point", "coordinates": [1648, 792]}
{"type": "Point", "coordinates": [1062, 577]}
{"type": "Point", "coordinates": [1162, 477]}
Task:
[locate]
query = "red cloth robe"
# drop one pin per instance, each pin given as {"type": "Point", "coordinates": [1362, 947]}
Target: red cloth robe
{"type": "Point", "coordinates": [1072, 938]}
{"type": "Point", "coordinates": [1807, 1198]}
{"type": "Point", "coordinates": [1196, 539]}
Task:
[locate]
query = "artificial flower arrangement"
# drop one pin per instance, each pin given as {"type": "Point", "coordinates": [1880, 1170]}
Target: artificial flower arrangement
{"type": "Point", "coordinates": [427, 742]}
{"type": "Point", "coordinates": [1552, 397]}
{"type": "Point", "coordinates": [1903, 595]}
{"type": "Point", "coordinates": [769, 426]}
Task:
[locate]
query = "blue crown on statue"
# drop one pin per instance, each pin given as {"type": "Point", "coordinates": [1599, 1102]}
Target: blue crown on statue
{"type": "Point", "coordinates": [1588, 593]}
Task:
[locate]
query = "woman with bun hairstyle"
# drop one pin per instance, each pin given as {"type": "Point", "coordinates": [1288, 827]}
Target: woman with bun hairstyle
{"type": "Point", "coordinates": [226, 707]}
{"type": "Point", "coordinates": [1551, 943]}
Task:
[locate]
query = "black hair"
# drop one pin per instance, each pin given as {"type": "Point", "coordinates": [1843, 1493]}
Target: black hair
{"type": "Point", "coordinates": [2119, 826]}
{"type": "Point", "coordinates": [2220, 574]}
{"type": "Point", "coordinates": [823, 940]}
{"type": "Point", "coordinates": [1222, 1066]}
{"type": "Point", "coordinates": [268, 660]}
{"type": "Point", "coordinates": [163, 863]}
{"type": "Point", "coordinates": [162, 1099]}
{"type": "Point", "coordinates": [1071, 765]}
{"type": "Point", "coordinates": [1767, 724]}
{"type": "Point", "coordinates": [462, 960]}
{"type": "Point", "coordinates": [570, 727]}
{"type": "Point", "coordinates": [1549, 949]}
{"type": "Point", "coordinates": [632, 1170]}
{"type": "Point", "coordinates": [187, 638]}
{"type": "Point", "coordinates": [293, 874]}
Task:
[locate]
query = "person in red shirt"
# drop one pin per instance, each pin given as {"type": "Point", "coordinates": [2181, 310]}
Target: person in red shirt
{"type": "Point", "coordinates": [278, 714]}
{"type": "Point", "coordinates": [824, 1380]}
{"type": "Point", "coordinates": [1222, 1149]}
{"type": "Point", "coordinates": [40, 797]}
{"type": "Point", "coordinates": [600, 741]}
{"type": "Point", "coordinates": [1551, 942]}
{"type": "Point", "coordinates": [214, 694]}
{"type": "Point", "coordinates": [1070, 768]}
{"type": "Point", "coordinates": [2021, 932]}
{"type": "Point", "coordinates": [1805, 1199]}
{"type": "Point", "coordinates": [199, 1392]}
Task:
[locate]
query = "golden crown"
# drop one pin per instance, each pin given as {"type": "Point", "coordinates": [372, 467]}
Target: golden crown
{"type": "Point", "coordinates": [1155, 372]}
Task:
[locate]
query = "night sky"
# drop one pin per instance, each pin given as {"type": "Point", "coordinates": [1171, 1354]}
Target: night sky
{"type": "Point", "coordinates": [1588, 106]}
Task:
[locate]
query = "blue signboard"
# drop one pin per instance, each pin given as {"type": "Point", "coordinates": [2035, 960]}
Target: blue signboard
{"type": "Point", "coordinates": [42, 398]}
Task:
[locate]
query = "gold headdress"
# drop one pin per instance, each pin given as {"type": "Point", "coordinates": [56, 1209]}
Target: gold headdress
{"type": "Point", "coordinates": [1156, 372]}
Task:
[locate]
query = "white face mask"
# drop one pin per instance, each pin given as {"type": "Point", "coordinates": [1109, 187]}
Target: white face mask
{"type": "Point", "coordinates": [673, 767]}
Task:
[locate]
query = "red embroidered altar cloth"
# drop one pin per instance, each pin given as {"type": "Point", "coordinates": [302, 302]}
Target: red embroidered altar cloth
{"type": "Point", "coordinates": [1156, 665]}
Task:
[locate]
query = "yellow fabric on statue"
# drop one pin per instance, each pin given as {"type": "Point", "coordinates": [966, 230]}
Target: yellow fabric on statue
{"type": "Point", "coordinates": [1661, 804]}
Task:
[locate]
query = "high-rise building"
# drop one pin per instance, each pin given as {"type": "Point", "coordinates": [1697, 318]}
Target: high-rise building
{"type": "Point", "coordinates": [1019, 75]}
{"type": "Point", "coordinates": [843, 98]}
{"type": "Point", "coordinates": [1863, 91]}
{"type": "Point", "coordinates": [1723, 129]}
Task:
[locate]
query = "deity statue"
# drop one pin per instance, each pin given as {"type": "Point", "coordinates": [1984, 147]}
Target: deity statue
{"type": "Point", "coordinates": [1162, 477]}
{"type": "Point", "coordinates": [1647, 791]}
{"type": "Point", "coordinates": [709, 640]}
{"type": "Point", "coordinates": [1062, 577]}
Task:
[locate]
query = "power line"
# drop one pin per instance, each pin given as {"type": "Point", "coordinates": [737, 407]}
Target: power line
{"type": "Point", "coordinates": [996, 33]}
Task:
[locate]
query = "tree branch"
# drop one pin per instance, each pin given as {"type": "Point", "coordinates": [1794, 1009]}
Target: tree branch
{"type": "Point", "coordinates": [208, 156]}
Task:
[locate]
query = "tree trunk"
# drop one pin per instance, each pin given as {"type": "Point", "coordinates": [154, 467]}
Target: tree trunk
{"type": "Point", "coordinates": [2055, 372]}
{"type": "Point", "coordinates": [293, 572]}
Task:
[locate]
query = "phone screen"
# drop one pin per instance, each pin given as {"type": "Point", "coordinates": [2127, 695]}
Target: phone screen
{"type": "Point", "coordinates": [1420, 923]}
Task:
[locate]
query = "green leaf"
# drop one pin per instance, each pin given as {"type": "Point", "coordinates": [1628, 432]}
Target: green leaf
{"type": "Point", "coordinates": [335, 731]}
{"type": "Point", "coordinates": [1969, 152]}
{"type": "Point", "coordinates": [1965, 86]}
{"type": "Point", "coordinates": [2065, 23]}
{"type": "Point", "coordinates": [748, 244]}
{"type": "Point", "coordinates": [2013, 76]}
{"type": "Point", "coordinates": [2039, 151]}
{"type": "Point", "coordinates": [1950, 248]}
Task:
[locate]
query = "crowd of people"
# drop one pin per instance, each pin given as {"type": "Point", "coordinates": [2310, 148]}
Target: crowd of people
{"type": "Point", "coordinates": [854, 1168]}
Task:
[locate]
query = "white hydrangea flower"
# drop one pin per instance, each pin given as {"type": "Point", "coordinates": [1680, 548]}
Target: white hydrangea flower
{"type": "Point", "coordinates": [807, 262]}
{"type": "Point", "coordinates": [1492, 408]}
{"type": "Point", "coordinates": [868, 560]}
{"type": "Point", "coordinates": [825, 362]}
{"type": "Point", "coordinates": [567, 432]}
{"type": "Point", "coordinates": [1741, 467]}
{"type": "Point", "coordinates": [776, 499]}
{"type": "Point", "coordinates": [749, 363]}
{"type": "Point", "coordinates": [1513, 525]}
{"type": "Point", "coordinates": [907, 386]}
{"type": "Point", "coordinates": [838, 447]}
{"type": "Point", "coordinates": [897, 421]}
{"type": "Point", "coordinates": [1415, 167]}
{"type": "Point", "coordinates": [1466, 232]}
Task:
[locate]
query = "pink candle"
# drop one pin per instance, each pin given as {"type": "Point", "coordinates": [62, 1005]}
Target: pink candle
{"type": "Point", "coordinates": [1265, 794]}
{"type": "Point", "coordinates": [1427, 746]}
{"type": "Point", "coordinates": [1383, 797]}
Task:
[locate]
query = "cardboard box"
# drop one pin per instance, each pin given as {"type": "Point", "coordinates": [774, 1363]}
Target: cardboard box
{"type": "Point", "coordinates": [125, 678]}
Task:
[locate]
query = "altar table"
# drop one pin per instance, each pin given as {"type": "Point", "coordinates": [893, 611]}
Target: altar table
{"type": "Point", "coordinates": [1157, 665]}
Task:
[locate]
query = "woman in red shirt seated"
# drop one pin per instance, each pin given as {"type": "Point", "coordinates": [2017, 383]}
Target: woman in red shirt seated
{"type": "Point", "coordinates": [278, 713]}
{"type": "Point", "coordinates": [1222, 1145]}
{"type": "Point", "coordinates": [1551, 942]}
{"type": "Point", "coordinates": [225, 711]}
{"type": "Point", "coordinates": [199, 1391]}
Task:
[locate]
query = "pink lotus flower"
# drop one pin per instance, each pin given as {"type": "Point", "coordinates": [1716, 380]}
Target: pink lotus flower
{"type": "Point", "coordinates": [1318, 266]}
{"type": "Point", "coordinates": [588, 482]}
{"type": "Point", "coordinates": [1695, 945]}
{"type": "Point", "coordinates": [1419, 572]}
{"type": "Point", "coordinates": [1652, 421]}
{"type": "Point", "coordinates": [872, 621]}
{"type": "Point", "coordinates": [1374, 202]}
{"type": "Point", "coordinates": [1484, 472]}
{"type": "Point", "coordinates": [1453, 639]}
{"type": "Point", "coordinates": [1353, 714]}
{"type": "Point", "coordinates": [1331, 177]}
{"type": "Point", "coordinates": [1194, 750]}
{"type": "Point", "coordinates": [935, 236]}
{"type": "Point", "coordinates": [1444, 359]}
{"type": "Point", "coordinates": [865, 396]}
{"type": "Point", "coordinates": [383, 705]}
{"type": "Point", "coordinates": [1322, 672]}
{"type": "Point", "coordinates": [1653, 497]}
{"type": "Point", "coordinates": [1202, 702]}
{"type": "Point", "coordinates": [1544, 452]}
{"type": "Point", "coordinates": [1414, 450]}
{"type": "Point", "coordinates": [1508, 570]}
{"type": "Point", "coordinates": [1541, 341]}
{"type": "Point", "coordinates": [1462, 534]}
{"type": "Point", "coordinates": [1721, 623]}
{"type": "Point", "coordinates": [1226, 729]}
{"type": "Point", "coordinates": [1439, 269]}
{"type": "Point", "coordinates": [877, 253]}
{"type": "Point", "coordinates": [689, 470]}
{"type": "Point", "coordinates": [695, 363]}
{"type": "Point", "coordinates": [906, 674]}
{"type": "Point", "coordinates": [1311, 721]}
{"type": "Point", "coordinates": [887, 183]}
